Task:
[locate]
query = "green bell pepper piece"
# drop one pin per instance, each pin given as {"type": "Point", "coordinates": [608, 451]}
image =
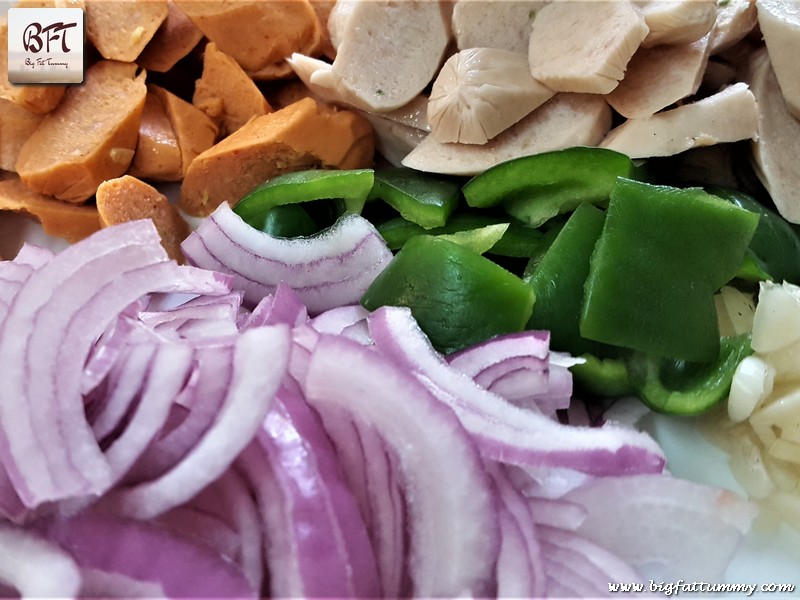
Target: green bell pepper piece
{"type": "Point", "coordinates": [558, 281]}
{"type": "Point", "coordinates": [289, 221]}
{"type": "Point", "coordinates": [518, 241]}
{"type": "Point", "coordinates": [683, 388]}
{"type": "Point", "coordinates": [352, 186]}
{"type": "Point", "coordinates": [459, 298]}
{"type": "Point", "coordinates": [775, 243]}
{"type": "Point", "coordinates": [662, 255]}
{"type": "Point", "coordinates": [479, 240]}
{"type": "Point", "coordinates": [422, 198]}
{"type": "Point", "coordinates": [605, 378]}
{"type": "Point", "coordinates": [536, 188]}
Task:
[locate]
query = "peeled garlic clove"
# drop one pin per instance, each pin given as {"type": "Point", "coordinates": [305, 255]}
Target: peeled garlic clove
{"type": "Point", "coordinates": [776, 323]}
{"type": "Point", "coordinates": [752, 382]}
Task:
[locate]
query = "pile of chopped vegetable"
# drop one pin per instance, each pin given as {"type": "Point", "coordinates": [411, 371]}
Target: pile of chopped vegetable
{"type": "Point", "coordinates": [424, 274]}
{"type": "Point", "coordinates": [176, 431]}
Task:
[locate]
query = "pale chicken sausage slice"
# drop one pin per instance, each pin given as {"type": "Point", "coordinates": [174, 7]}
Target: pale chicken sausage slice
{"type": "Point", "coordinates": [735, 19]}
{"type": "Point", "coordinates": [727, 116]}
{"type": "Point", "coordinates": [778, 146]}
{"type": "Point", "coordinates": [90, 137]}
{"type": "Point", "coordinates": [502, 25]}
{"type": "Point", "coordinates": [563, 121]}
{"type": "Point", "coordinates": [780, 25]}
{"type": "Point", "coordinates": [677, 21]}
{"type": "Point", "coordinates": [121, 29]}
{"type": "Point", "coordinates": [390, 51]}
{"type": "Point", "coordinates": [584, 46]}
{"type": "Point", "coordinates": [481, 92]}
{"type": "Point", "coordinates": [658, 77]}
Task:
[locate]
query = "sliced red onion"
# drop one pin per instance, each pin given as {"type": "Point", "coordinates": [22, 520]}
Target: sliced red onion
{"type": "Point", "coordinates": [103, 584]}
{"type": "Point", "coordinates": [557, 513]}
{"type": "Point", "coordinates": [327, 270]}
{"type": "Point", "coordinates": [476, 359]}
{"type": "Point", "coordinates": [164, 379]}
{"type": "Point", "coordinates": [386, 510]}
{"type": "Point", "coordinates": [201, 317]}
{"type": "Point", "coordinates": [328, 546]}
{"type": "Point", "coordinates": [506, 432]}
{"type": "Point", "coordinates": [259, 363]}
{"type": "Point", "coordinates": [147, 553]}
{"type": "Point", "coordinates": [33, 256]}
{"type": "Point", "coordinates": [35, 567]}
{"type": "Point", "coordinates": [232, 523]}
{"type": "Point", "coordinates": [12, 276]}
{"type": "Point", "coordinates": [11, 507]}
{"type": "Point", "coordinates": [515, 577]}
{"type": "Point", "coordinates": [29, 406]}
{"type": "Point", "coordinates": [453, 528]}
{"type": "Point", "coordinates": [123, 385]}
{"type": "Point", "coordinates": [350, 321]}
{"type": "Point", "coordinates": [206, 395]}
{"type": "Point", "coordinates": [577, 569]}
{"type": "Point", "coordinates": [282, 307]}
{"type": "Point", "coordinates": [207, 530]}
{"type": "Point", "coordinates": [546, 482]}
{"type": "Point", "coordinates": [64, 307]}
{"type": "Point", "coordinates": [645, 519]}
{"type": "Point", "coordinates": [523, 542]}
{"type": "Point", "coordinates": [107, 349]}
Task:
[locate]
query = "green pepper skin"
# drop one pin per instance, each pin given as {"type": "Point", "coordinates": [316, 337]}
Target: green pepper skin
{"type": "Point", "coordinates": [558, 282]}
{"type": "Point", "coordinates": [662, 255]}
{"type": "Point", "coordinates": [421, 198]}
{"type": "Point", "coordinates": [289, 221]}
{"type": "Point", "coordinates": [458, 297]}
{"type": "Point", "coordinates": [681, 388]}
{"type": "Point", "coordinates": [352, 186]}
{"type": "Point", "coordinates": [537, 188]}
{"type": "Point", "coordinates": [518, 241]}
{"type": "Point", "coordinates": [604, 378]}
{"type": "Point", "coordinates": [775, 243]}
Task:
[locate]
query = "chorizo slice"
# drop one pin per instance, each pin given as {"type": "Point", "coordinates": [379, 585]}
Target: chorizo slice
{"type": "Point", "coordinates": [304, 135]}
{"type": "Point", "coordinates": [90, 137]}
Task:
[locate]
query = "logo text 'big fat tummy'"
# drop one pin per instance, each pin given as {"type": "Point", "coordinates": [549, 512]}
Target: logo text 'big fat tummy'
{"type": "Point", "coordinates": [45, 45]}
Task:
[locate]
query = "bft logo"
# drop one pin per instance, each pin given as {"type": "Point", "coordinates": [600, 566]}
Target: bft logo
{"type": "Point", "coordinates": [32, 37]}
{"type": "Point", "coordinates": [45, 45]}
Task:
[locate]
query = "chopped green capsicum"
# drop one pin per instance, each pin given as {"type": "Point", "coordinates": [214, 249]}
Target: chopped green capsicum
{"type": "Point", "coordinates": [662, 255]}
{"type": "Point", "coordinates": [352, 186]}
{"type": "Point", "coordinates": [558, 280]}
{"type": "Point", "coordinates": [684, 388]}
{"type": "Point", "coordinates": [458, 297]}
{"type": "Point", "coordinates": [288, 221]}
{"type": "Point", "coordinates": [775, 245]}
{"type": "Point", "coordinates": [536, 188]}
{"type": "Point", "coordinates": [518, 241]}
{"type": "Point", "coordinates": [603, 377]}
{"type": "Point", "coordinates": [420, 198]}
